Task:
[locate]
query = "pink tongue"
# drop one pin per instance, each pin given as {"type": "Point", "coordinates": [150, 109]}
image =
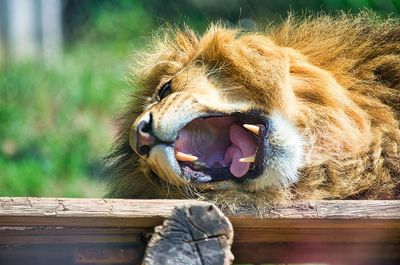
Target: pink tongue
{"type": "Point", "coordinates": [244, 145]}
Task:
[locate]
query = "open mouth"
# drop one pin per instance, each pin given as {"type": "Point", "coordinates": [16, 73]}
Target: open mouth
{"type": "Point", "coordinates": [220, 147]}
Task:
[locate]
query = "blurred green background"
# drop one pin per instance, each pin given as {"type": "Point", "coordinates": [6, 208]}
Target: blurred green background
{"type": "Point", "coordinates": [56, 117]}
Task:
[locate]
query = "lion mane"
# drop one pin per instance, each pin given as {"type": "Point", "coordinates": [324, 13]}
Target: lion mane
{"type": "Point", "coordinates": [335, 80]}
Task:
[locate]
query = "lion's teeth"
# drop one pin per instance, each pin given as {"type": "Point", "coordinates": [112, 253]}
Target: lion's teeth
{"type": "Point", "coordinates": [249, 159]}
{"type": "Point", "coordinates": [185, 157]}
{"type": "Point", "coordinates": [253, 128]}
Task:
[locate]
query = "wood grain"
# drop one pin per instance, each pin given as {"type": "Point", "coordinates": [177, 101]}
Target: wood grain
{"type": "Point", "coordinates": [195, 235]}
{"type": "Point", "coordinates": [83, 231]}
{"type": "Point", "coordinates": [54, 209]}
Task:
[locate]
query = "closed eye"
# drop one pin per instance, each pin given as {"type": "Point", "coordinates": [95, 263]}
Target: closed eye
{"type": "Point", "coordinates": [165, 90]}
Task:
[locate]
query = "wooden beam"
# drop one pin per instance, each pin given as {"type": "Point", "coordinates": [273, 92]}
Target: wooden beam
{"type": "Point", "coordinates": [65, 220]}
{"type": "Point", "coordinates": [147, 213]}
{"type": "Point", "coordinates": [364, 232]}
{"type": "Point", "coordinates": [86, 212]}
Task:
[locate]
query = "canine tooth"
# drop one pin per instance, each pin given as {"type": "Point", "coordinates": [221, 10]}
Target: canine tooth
{"type": "Point", "coordinates": [249, 159]}
{"type": "Point", "coordinates": [185, 157]}
{"type": "Point", "coordinates": [253, 128]}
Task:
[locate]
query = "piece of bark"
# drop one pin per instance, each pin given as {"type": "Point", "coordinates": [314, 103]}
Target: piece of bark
{"type": "Point", "coordinates": [193, 235]}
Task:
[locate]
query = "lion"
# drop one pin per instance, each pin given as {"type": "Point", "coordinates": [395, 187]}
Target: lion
{"type": "Point", "coordinates": [308, 109]}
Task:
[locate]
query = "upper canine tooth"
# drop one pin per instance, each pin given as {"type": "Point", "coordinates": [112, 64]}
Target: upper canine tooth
{"type": "Point", "coordinates": [254, 128]}
{"type": "Point", "coordinates": [185, 157]}
{"type": "Point", "coordinates": [249, 159]}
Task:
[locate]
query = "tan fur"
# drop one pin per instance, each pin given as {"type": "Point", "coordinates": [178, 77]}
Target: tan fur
{"type": "Point", "coordinates": [336, 79]}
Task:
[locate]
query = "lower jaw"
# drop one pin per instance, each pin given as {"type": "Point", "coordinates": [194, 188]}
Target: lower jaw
{"type": "Point", "coordinates": [215, 175]}
{"type": "Point", "coordinates": [247, 187]}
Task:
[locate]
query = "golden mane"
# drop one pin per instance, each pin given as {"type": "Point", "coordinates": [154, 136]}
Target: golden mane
{"type": "Point", "coordinates": [344, 72]}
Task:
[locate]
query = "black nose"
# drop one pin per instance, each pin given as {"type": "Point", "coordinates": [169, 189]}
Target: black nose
{"type": "Point", "coordinates": [145, 137]}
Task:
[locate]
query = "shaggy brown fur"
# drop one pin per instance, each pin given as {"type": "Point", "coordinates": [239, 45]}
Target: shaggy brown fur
{"type": "Point", "coordinates": [336, 79]}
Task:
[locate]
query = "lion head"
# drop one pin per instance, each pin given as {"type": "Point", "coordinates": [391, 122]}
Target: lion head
{"type": "Point", "coordinates": [299, 110]}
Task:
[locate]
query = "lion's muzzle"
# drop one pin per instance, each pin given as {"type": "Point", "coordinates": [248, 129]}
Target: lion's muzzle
{"type": "Point", "coordinates": [142, 138]}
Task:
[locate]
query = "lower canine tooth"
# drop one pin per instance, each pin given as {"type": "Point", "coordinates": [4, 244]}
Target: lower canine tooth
{"type": "Point", "coordinates": [253, 128]}
{"type": "Point", "coordinates": [185, 157]}
{"type": "Point", "coordinates": [249, 159]}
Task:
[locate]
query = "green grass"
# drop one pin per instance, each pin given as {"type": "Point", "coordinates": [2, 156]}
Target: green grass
{"type": "Point", "coordinates": [56, 123]}
{"type": "Point", "coordinates": [56, 120]}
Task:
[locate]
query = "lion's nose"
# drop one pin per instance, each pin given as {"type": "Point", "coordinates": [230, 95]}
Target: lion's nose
{"type": "Point", "coordinates": [142, 137]}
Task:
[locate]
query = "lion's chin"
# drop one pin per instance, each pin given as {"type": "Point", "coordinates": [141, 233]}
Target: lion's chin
{"type": "Point", "coordinates": [250, 148]}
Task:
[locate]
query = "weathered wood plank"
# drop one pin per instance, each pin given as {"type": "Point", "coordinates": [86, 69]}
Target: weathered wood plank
{"type": "Point", "coordinates": [102, 255]}
{"type": "Point", "coordinates": [69, 231]}
{"type": "Point", "coordinates": [72, 254]}
{"type": "Point", "coordinates": [68, 236]}
{"type": "Point", "coordinates": [69, 221]}
{"type": "Point", "coordinates": [86, 212]}
{"type": "Point", "coordinates": [147, 213]}
{"type": "Point", "coordinates": [316, 253]}
{"type": "Point", "coordinates": [280, 235]}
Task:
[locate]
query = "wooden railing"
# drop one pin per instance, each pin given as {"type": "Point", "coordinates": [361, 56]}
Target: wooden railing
{"type": "Point", "coordinates": [112, 231]}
